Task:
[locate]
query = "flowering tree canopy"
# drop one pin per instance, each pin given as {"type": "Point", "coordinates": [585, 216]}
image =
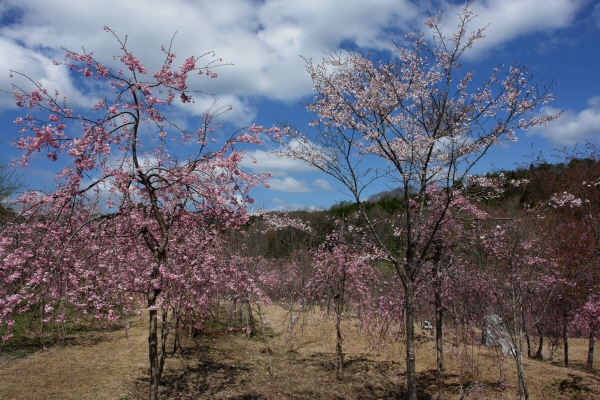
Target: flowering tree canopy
{"type": "Point", "coordinates": [130, 215]}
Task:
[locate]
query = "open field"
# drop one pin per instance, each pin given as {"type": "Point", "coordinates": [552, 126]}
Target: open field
{"type": "Point", "coordinates": [225, 365]}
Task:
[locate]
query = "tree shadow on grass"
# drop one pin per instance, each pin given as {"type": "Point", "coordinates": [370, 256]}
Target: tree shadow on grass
{"type": "Point", "coordinates": [206, 377]}
{"type": "Point", "coordinates": [379, 379]}
{"type": "Point", "coordinates": [578, 387]}
{"type": "Point", "coordinates": [30, 342]}
{"type": "Point", "coordinates": [209, 372]}
{"type": "Point", "coordinates": [201, 375]}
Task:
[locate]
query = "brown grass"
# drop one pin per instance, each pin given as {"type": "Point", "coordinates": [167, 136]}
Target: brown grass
{"type": "Point", "coordinates": [225, 365]}
{"type": "Point", "coordinates": [93, 365]}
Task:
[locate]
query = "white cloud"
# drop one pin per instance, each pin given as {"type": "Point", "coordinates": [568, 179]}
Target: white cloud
{"type": "Point", "coordinates": [511, 19]}
{"type": "Point", "coordinates": [227, 107]}
{"type": "Point", "coordinates": [292, 185]}
{"type": "Point", "coordinates": [269, 162]}
{"type": "Point", "coordinates": [39, 67]}
{"type": "Point", "coordinates": [289, 185]}
{"type": "Point", "coordinates": [277, 204]}
{"type": "Point", "coordinates": [573, 127]}
{"type": "Point", "coordinates": [596, 15]}
{"type": "Point", "coordinates": [278, 201]}
{"type": "Point", "coordinates": [263, 39]}
{"type": "Point", "coordinates": [322, 184]}
{"type": "Point", "coordinates": [100, 191]}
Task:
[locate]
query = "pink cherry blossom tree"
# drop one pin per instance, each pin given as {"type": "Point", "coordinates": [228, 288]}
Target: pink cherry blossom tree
{"type": "Point", "coordinates": [514, 278]}
{"type": "Point", "coordinates": [342, 278]}
{"type": "Point", "coordinates": [424, 121]}
{"type": "Point", "coordinates": [444, 257]}
{"type": "Point", "coordinates": [587, 318]}
{"type": "Point", "coordinates": [142, 204]}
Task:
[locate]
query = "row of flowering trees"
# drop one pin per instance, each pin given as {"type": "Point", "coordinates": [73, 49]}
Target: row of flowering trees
{"type": "Point", "coordinates": [133, 225]}
{"type": "Point", "coordinates": [504, 257]}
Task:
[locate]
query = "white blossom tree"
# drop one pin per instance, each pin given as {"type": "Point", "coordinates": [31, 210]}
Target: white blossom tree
{"type": "Point", "coordinates": [428, 123]}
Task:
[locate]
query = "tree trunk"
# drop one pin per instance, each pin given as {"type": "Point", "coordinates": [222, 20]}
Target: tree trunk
{"type": "Point", "coordinates": [566, 343]}
{"type": "Point", "coordinates": [164, 334]}
{"type": "Point", "coordinates": [539, 354]}
{"type": "Point", "coordinates": [251, 322]}
{"type": "Point", "coordinates": [523, 392]}
{"type": "Point", "coordinates": [526, 335]}
{"type": "Point", "coordinates": [153, 345]}
{"type": "Point", "coordinates": [439, 334]}
{"type": "Point", "coordinates": [518, 335]}
{"type": "Point", "coordinates": [439, 344]}
{"type": "Point", "coordinates": [590, 358]}
{"type": "Point", "coordinates": [262, 325]}
{"type": "Point", "coordinates": [411, 370]}
{"type": "Point", "coordinates": [42, 308]}
{"type": "Point", "coordinates": [339, 367]}
{"type": "Point", "coordinates": [176, 340]}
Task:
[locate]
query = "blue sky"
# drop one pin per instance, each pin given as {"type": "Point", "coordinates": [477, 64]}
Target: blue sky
{"type": "Point", "coordinates": [264, 39]}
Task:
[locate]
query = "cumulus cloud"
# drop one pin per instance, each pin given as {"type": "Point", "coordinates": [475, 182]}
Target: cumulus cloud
{"type": "Point", "coordinates": [38, 66]}
{"type": "Point", "coordinates": [507, 20]}
{"type": "Point", "coordinates": [289, 185]}
{"type": "Point", "coordinates": [292, 185]}
{"type": "Point", "coordinates": [269, 162]}
{"type": "Point", "coordinates": [322, 184]}
{"type": "Point", "coordinates": [573, 127]}
{"type": "Point", "coordinates": [263, 39]}
{"type": "Point", "coordinates": [282, 169]}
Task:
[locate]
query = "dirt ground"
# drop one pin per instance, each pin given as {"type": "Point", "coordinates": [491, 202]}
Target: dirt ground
{"type": "Point", "coordinates": [226, 365]}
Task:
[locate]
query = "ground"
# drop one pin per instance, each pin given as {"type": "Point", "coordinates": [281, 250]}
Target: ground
{"type": "Point", "coordinates": [224, 364]}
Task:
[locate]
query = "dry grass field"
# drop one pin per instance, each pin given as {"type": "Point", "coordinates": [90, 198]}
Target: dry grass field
{"type": "Point", "coordinates": [226, 365]}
